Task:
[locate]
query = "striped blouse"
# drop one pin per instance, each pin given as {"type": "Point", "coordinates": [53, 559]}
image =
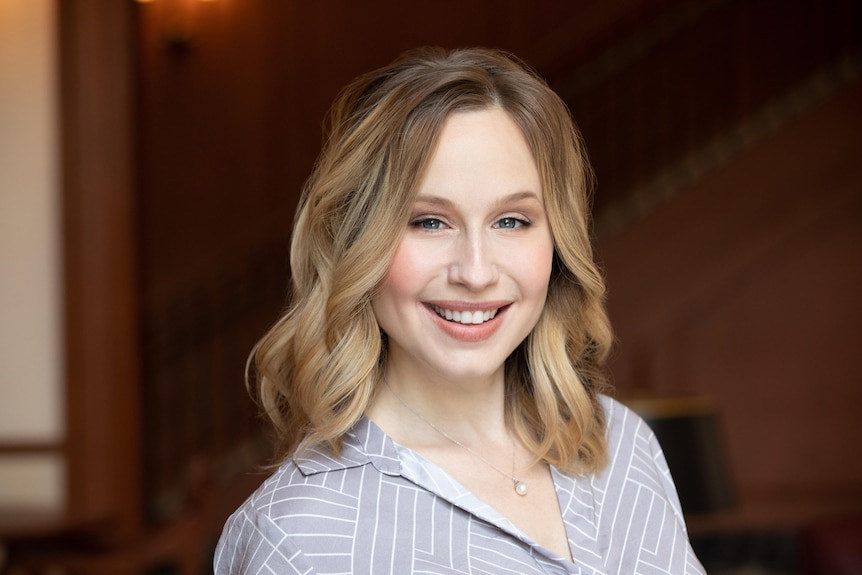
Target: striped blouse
{"type": "Point", "coordinates": [383, 508]}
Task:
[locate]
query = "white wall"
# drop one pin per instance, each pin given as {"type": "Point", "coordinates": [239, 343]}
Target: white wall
{"type": "Point", "coordinates": [31, 363]}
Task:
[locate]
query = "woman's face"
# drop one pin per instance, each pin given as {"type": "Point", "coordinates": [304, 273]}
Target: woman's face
{"type": "Point", "coordinates": [470, 277]}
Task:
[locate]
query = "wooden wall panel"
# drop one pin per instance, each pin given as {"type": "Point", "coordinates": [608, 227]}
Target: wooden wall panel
{"type": "Point", "coordinates": [100, 265]}
{"type": "Point", "coordinates": [744, 288]}
{"type": "Point", "coordinates": [686, 77]}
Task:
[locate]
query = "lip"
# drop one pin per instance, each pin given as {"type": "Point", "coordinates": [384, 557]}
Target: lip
{"type": "Point", "coordinates": [468, 333]}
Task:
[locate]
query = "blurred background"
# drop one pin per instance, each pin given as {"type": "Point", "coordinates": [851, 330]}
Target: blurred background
{"type": "Point", "coordinates": [151, 157]}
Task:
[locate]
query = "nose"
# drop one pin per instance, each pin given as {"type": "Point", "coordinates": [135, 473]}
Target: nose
{"type": "Point", "coordinates": [474, 264]}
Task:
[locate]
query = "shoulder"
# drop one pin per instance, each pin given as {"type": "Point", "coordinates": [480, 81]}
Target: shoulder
{"type": "Point", "coordinates": [636, 491]}
{"type": "Point", "coordinates": [631, 442]}
{"type": "Point", "coordinates": [253, 538]}
{"type": "Point", "coordinates": [635, 458]}
{"type": "Point", "coordinates": [268, 532]}
{"type": "Point", "coordinates": [279, 492]}
{"type": "Point", "coordinates": [315, 492]}
{"type": "Point", "coordinates": [317, 477]}
{"type": "Point", "coordinates": [622, 425]}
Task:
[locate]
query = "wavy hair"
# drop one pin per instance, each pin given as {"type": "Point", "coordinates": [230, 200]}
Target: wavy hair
{"type": "Point", "coordinates": [316, 370]}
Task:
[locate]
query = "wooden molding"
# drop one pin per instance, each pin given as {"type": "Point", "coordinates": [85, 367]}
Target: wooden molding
{"type": "Point", "coordinates": [100, 252]}
{"type": "Point", "coordinates": [27, 447]}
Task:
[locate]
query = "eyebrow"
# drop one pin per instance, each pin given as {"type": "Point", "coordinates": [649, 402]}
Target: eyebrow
{"type": "Point", "coordinates": [513, 197]}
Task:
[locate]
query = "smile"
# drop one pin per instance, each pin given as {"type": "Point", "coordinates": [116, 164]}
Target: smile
{"type": "Point", "coordinates": [466, 317]}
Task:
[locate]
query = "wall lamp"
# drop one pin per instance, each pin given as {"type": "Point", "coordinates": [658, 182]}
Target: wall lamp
{"type": "Point", "coordinates": [177, 19]}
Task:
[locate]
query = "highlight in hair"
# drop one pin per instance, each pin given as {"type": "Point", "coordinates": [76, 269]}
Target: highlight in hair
{"type": "Point", "coordinates": [317, 369]}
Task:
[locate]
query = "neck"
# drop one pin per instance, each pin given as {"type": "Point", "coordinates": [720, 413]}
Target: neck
{"type": "Point", "coordinates": [471, 410]}
{"type": "Point", "coordinates": [468, 406]}
{"type": "Point", "coordinates": [519, 486]}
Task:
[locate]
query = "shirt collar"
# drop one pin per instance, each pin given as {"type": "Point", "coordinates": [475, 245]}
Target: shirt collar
{"type": "Point", "coordinates": [367, 444]}
{"type": "Point", "coordinates": [364, 444]}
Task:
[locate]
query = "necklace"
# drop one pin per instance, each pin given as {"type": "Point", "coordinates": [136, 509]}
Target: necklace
{"type": "Point", "coordinates": [520, 486]}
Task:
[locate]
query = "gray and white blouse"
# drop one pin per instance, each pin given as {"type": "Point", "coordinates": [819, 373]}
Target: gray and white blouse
{"type": "Point", "coordinates": [383, 508]}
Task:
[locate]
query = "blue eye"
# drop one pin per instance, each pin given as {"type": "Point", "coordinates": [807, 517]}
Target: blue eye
{"type": "Point", "coordinates": [511, 223]}
{"type": "Point", "coordinates": [427, 223]}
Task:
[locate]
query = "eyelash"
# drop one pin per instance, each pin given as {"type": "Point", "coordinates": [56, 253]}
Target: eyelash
{"type": "Point", "coordinates": [519, 221]}
{"type": "Point", "coordinates": [422, 221]}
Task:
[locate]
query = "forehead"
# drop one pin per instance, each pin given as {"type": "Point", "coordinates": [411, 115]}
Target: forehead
{"type": "Point", "coordinates": [481, 148]}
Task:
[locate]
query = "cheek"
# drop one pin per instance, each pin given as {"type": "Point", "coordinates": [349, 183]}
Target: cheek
{"type": "Point", "coordinates": [403, 271]}
{"type": "Point", "coordinates": [537, 266]}
{"type": "Point", "coordinates": [401, 284]}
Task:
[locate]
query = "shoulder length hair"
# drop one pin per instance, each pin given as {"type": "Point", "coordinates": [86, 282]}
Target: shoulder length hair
{"type": "Point", "coordinates": [316, 370]}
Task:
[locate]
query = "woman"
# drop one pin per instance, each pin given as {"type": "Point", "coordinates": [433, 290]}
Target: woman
{"type": "Point", "coordinates": [436, 382]}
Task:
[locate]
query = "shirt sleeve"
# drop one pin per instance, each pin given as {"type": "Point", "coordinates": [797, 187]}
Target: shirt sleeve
{"type": "Point", "coordinates": [664, 474]}
{"type": "Point", "coordinates": [252, 544]}
{"type": "Point", "coordinates": [648, 529]}
{"type": "Point", "coordinates": [692, 564]}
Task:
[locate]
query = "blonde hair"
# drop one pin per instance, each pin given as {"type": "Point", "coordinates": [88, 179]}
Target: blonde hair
{"type": "Point", "coordinates": [318, 367]}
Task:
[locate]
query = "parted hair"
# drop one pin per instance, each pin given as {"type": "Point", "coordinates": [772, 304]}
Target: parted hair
{"type": "Point", "coordinates": [315, 372]}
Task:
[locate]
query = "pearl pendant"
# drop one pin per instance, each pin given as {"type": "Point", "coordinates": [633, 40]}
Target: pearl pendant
{"type": "Point", "coordinates": [520, 488]}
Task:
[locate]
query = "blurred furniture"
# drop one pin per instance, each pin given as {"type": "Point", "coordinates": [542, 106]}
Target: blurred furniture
{"type": "Point", "coordinates": [831, 547]}
{"type": "Point", "coordinates": [178, 546]}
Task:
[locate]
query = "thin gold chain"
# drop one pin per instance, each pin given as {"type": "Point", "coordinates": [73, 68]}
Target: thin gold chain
{"type": "Point", "coordinates": [520, 486]}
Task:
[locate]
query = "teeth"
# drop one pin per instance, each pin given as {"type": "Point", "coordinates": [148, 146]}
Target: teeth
{"type": "Point", "coordinates": [466, 317]}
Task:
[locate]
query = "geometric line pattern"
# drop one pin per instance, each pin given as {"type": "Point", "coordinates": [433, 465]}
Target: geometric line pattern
{"type": "Point", "coordinates": [383, 508]}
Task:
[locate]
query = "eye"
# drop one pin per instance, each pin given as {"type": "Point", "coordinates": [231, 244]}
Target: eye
{"type": "Point", "coordinates": [427, 223]}
{"type": "Point", "coordinates": [511, 223]}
